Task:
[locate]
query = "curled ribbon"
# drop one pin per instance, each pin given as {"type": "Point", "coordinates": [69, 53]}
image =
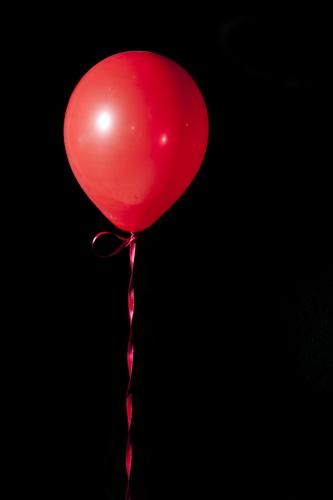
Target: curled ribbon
{"type": "Point", "coordinates": [129, 241]}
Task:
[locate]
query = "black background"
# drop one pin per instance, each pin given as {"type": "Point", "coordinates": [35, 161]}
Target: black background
{"type": "Point", "coordinates": [234, 311]}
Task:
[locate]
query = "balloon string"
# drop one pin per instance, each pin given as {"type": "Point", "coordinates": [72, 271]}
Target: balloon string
{"type": "Point", "coordinates": [130, 360]}
{"type": "Point", "coordinates": [130, 242]}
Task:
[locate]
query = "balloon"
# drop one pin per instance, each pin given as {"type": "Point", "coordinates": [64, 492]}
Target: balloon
{"type": "Point", "coordinates": [136, 132]}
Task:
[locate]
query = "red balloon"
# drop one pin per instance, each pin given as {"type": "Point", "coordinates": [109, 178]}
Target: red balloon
{"type": "Point", "coordinates": [136, 132]}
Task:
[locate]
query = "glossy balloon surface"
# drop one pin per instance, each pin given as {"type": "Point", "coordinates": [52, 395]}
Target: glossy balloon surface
{"type": "Point", "coordinates": [136, 131]}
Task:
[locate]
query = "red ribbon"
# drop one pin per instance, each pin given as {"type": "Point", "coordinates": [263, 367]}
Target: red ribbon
{"type": "Point", "coordinates": [129, 241]}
